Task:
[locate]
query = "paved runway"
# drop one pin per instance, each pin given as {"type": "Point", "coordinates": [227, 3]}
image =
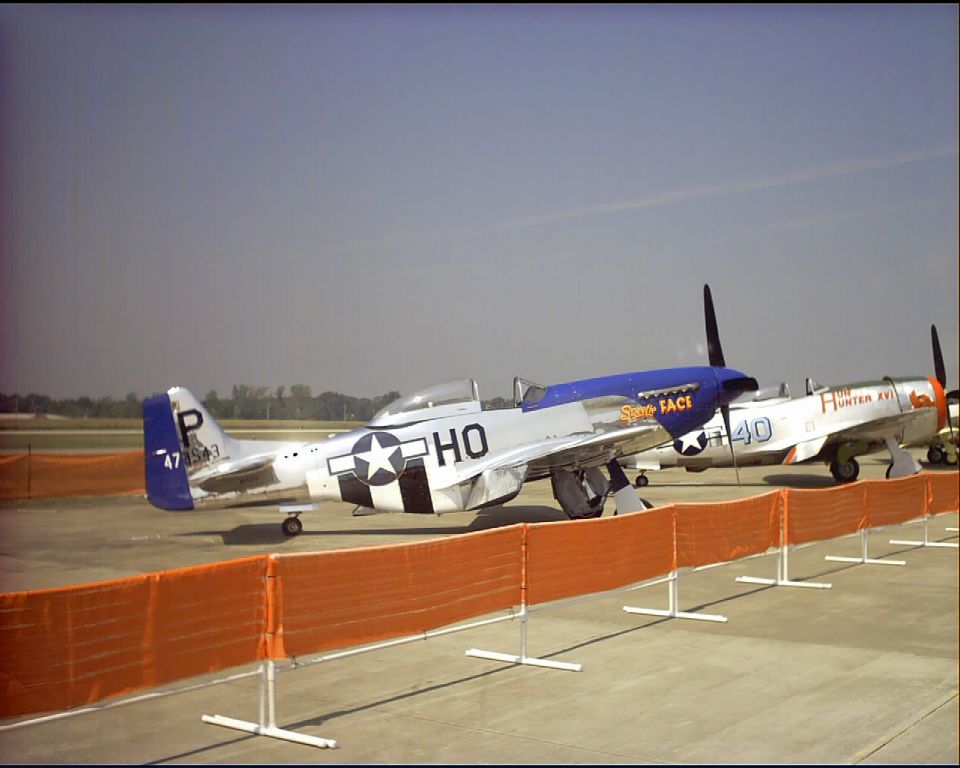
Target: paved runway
{"type": "Point", "coordinates": [864, 672]}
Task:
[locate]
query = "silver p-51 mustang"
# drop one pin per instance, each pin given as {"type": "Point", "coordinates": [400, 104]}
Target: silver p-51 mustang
{"type": "Point", "coordinates": [438, 451]}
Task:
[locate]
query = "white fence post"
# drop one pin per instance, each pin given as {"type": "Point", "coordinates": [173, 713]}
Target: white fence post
{"type": "Point", "coordinates": [268, 686]}
{"type": "Point", "coordinates": [926, 542]}
{"type": "Point", "coordinates": [783, 566]}
{"type": "Point", "coordinates": [863, 559]}
{"type": "Point", "coordinates": [673, 612]}
{"type": "Point", "coordinates": [510, 658]}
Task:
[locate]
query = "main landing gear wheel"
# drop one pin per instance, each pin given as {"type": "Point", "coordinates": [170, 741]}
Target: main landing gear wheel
{"type": "Point", "coordinates": [596, 509]}
{"type": "Point", "coordinates": [291, 526]}
{"type": "Point", "coordinates": [936, 455]}
{"type": "Point", "coordinates": [846, 472]}
{"type": "Point", "coordinates": [642, 481]}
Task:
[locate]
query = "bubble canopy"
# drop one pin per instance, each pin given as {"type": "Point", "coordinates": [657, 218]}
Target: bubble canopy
{"type": "Point", "coordinates": [446, 399]}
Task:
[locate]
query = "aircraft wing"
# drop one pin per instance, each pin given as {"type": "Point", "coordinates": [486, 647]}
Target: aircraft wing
{"type": "Point", "coordinates": [878, 429]}
{"type": "Point", "coordinates": [588, 449]}
{"type": "Point", "coordinates": [874, 430]}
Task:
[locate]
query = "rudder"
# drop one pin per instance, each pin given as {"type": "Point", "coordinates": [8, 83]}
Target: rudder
{"type": "Point", "coordinates": [164, 467]}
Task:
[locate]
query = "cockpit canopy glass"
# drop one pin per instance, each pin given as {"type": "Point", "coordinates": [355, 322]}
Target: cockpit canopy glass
{"type": "Point", "coordinates": [448, 393]}
{"type": "Point", "coordinates": [526, 392]}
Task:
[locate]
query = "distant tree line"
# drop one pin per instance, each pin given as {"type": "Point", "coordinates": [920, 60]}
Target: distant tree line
{"type": "Point", "coordinates": [245, 402]}
{"type": "Point", "coordinates": [248, 402]}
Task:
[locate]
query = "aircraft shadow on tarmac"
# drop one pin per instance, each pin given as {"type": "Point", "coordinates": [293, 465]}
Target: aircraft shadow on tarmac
{"type": "Point", "coordinates": [780, 481]}
{"type": "Point", "coordinates": [800, 481]}
{"type": "Point", "coordinates": [484, 519]}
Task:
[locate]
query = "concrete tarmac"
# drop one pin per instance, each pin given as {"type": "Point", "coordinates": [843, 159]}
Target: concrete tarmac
{"type": "Point", "coordinates": [864, 672]}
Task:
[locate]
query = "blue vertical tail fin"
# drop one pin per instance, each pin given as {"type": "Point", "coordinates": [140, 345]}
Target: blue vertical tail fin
{"type": "Point", "coordinates": [164, 463]}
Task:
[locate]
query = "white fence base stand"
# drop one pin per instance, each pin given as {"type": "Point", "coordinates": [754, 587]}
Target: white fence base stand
{"type": "Point", "coordinates": [268, 715]}
{"type": "Point", "coordinates": [510, 658]}
{"type": "Point", "coordinates": [269, 730]}
{"type": "Point", "coordinates": [672, 612]}
{"type": "Point", "coordinates": [863, 559]}
{"type": "Point", "coordinates": [522, 658]}
{"type": "Point", "coordinates": [926, 542]}
{"type": "Point", "coordinates": [783, 575]}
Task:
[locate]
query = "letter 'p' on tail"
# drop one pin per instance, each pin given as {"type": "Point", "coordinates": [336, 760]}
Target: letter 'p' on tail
{"type": "Point", "coordinates": [178, 433]}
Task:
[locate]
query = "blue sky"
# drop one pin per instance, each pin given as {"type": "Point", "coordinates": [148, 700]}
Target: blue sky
{"type": "Point", "coordinates": [368, 198]}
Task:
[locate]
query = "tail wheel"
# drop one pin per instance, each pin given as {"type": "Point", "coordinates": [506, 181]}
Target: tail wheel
{"type": "Point", "coordinates": [291, 526]}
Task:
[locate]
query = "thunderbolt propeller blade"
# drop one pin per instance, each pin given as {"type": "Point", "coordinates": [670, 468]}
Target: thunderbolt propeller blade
{"type": "Point", "coordinates": [938, 366]}
{"type": "Point", "coordinates": [941, 372]}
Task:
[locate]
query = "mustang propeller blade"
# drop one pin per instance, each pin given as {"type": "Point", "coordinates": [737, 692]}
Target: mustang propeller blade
{"type": "Point", "coordinates": [714, 350]}
{"type": "Point", "coordinates": [715, 354]}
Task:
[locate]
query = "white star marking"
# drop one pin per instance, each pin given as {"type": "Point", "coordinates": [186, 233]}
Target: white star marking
{"type": "Point", "coordinates": [690, 440]}
{"type": "Point", "coordinates": [378, 457]}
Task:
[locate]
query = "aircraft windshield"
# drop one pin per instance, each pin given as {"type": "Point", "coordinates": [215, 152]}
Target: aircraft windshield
{"type": "Point", "coordinates": [526, 392]}
{"type": "Point", "coordinates": [448, 393]}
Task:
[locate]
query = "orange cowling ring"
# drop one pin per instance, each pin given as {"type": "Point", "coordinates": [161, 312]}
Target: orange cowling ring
{"type": "Point", "coordinates": [941, 400]}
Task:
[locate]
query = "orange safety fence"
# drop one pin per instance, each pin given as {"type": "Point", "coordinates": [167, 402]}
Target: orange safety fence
{"type": "Point", "coordinates": [578, 557]}
{"type": "Point", "coordinates": [722, 531]}
{"type": "Point", "coordinates": [348, 597]}
{"type": "Point", "coordinates": [47, 475]}
{"type": "Point", "coordinates": [14, 480]}
{"type": "Point", "coordinates": [896, 500]}
{"type": "Point", "coordinates": [943, 492]}
{"type": "Point", "coordinates": [70, 646]}
{"type": "Point", "coordinates": [67, 647]}
{"type": "Point", "coordinates": [824, 513]}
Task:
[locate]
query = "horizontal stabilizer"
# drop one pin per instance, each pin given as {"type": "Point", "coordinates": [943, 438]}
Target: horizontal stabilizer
{"type": "Point", "coordinates": [236, 467]}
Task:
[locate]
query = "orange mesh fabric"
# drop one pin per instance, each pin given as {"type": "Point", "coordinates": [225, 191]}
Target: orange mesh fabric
{"type": "Point", "coordinates": [14, 478]}
{"type": "Point", "coordinates": [724, 531]}
{"type": "Point", "coordinates": [66, 647]}
{"type": "Point", "coordinates": [817, 515]}
{"type": "Point", "coordinates": [45, 475]}
{"type": "Point", "coordinates": [583, 556]}
{"type": "Point", "coordinates": [895, 501]}
{"type": "Point", "coordinates": [943, 492]}
{"type": "Point", "coordinates": [349, 597]}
